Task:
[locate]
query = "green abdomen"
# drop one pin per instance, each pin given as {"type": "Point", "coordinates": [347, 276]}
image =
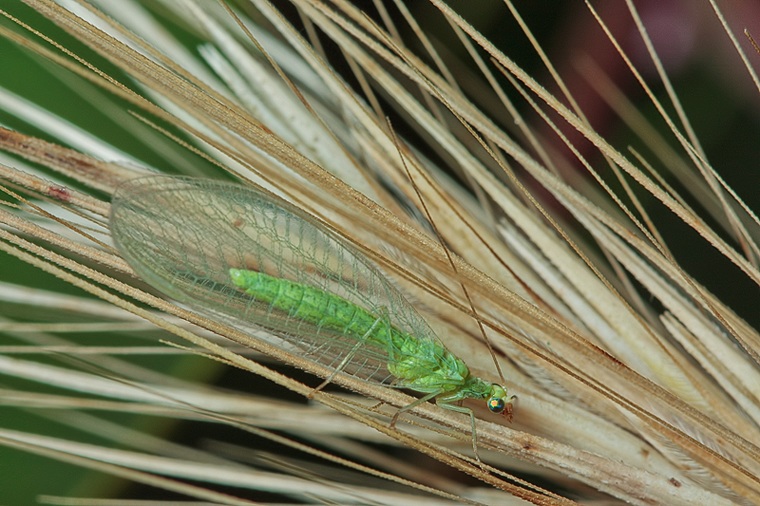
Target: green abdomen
{"type": "Point", "coordinates": [322, 309]}
{"type": "Point", "coordinates": [420, 364]}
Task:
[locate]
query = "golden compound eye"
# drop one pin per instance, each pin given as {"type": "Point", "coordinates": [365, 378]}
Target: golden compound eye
{"type": "Point", "coordinates": [496, 404]}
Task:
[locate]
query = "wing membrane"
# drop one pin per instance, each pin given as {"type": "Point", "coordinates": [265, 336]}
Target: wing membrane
{"type": "Point", "coordinates": [183, 235]}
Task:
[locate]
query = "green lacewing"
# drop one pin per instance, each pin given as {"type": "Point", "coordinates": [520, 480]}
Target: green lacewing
{"type": "Point", "coordinates": [254, 260]}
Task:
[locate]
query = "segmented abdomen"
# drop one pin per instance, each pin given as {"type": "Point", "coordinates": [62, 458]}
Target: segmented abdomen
{"type": "Point", "coordinates": [408, 358]}
{"type": "Point", "coordinates": [322, 309]}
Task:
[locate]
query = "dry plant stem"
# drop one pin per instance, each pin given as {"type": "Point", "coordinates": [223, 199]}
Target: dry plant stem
{"type": "Point", "coordinates": [692, 148]}
{"type": "Point", "coordinates": [95, 173]}
{"type": "Point", "coordinates": [38, 447]}
{"type": "Point", "coordinates": [683, 406]}
{"type": "Point", "coordinates": [254, 133]}
{"type": "Point", "coordinates": [697, 419]}
{"type": "Point", "coordinates": [698, 449]}
{"type": "Point", "coordinates": [529, 447]}
{"type": "Point", "coordinates": [253, 366]}
{"type": "Point", "coordinates": [578, 124]}
{"type": "Point", "coordinates": [223, 351]}
{"type": "Point", "coordinates": [488, 186]}
{"type": "Point", "coordinates": [212, 472]}
{"type": "Point", "coordinates": [210, 112]}
{"type": "Point", "coordinates": [440, 490]}
{"type": "Point", "coordinates": [590, 135]}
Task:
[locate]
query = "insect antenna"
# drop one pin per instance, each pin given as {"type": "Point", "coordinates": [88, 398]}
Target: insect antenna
{"type": "Point", "coordinates": [508, 411]}
{"type": "Point", "coordinates": [446, 250]}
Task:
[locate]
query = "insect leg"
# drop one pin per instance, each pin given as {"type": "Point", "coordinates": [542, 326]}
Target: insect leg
{"type": "Point", "coordinates": [447, 403]}
{"type": "Point", "coordinates": [347, 358]}
{"type": "Point", "coordinates": [413, 405]}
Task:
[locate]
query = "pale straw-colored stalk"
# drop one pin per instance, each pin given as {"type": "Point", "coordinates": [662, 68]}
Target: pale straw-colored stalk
{"type": "Point", "coordinates": [634, 382]}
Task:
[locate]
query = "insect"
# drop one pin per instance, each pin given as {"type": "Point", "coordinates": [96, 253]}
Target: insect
{"type": "Point", "coordinates": [255, 261]}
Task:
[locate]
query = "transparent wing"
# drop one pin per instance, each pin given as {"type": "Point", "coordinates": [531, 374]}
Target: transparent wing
{"type": "Point", "coordinates": [183, 235]}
